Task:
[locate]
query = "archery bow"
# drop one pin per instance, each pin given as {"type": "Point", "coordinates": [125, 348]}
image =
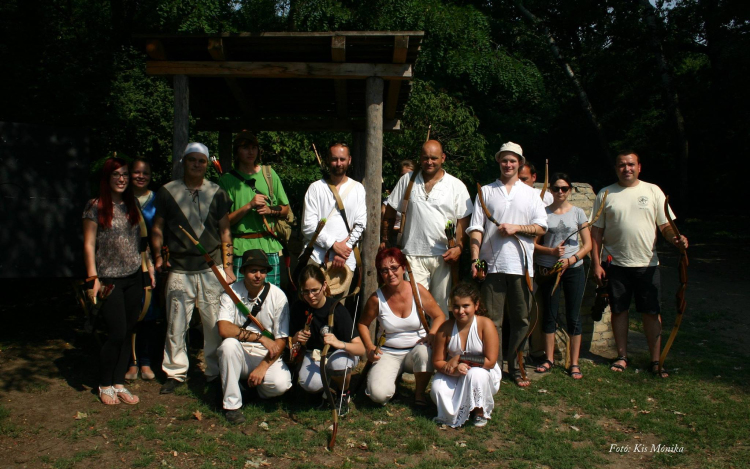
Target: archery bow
{"type": "Point", "coordinates": [558, 265]}
{"type": "Point", "coordinates": [237, 302]}
{"type": "Point", "coordinates": [307, 253]}
{"type": "Point", "coordinates": [680, 303]}
{"type": "Point", "coordinates": [546, 179]}
{"type": "Point", "coordinates": [529, 284]}
{"type": "Point", "coordinates": [324, 374]}
{"type": "Point", "coordinates": [450, 233]}
{"type": "Point", "coordinates": [417, 298]}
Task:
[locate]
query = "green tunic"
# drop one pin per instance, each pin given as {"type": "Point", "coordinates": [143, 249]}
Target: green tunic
{"type": "Point", "coordinates": [240, 194]}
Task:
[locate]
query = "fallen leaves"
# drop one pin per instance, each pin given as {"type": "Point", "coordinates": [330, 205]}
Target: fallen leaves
{"type": "Point", "coordinates": [198, 415]}
{"type": "Point", "coordinates": [80, 415]}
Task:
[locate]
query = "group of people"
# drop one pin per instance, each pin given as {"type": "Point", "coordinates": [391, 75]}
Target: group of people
{"type": "Point", "coordinates": [216, 247]}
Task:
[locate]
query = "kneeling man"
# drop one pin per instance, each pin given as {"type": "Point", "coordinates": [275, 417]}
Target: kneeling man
{"type": "Point", "coordinates": [245, 353]}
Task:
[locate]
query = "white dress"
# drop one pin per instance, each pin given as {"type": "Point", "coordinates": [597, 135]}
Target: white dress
{"type": "Point", "coordinates": [457, 396]}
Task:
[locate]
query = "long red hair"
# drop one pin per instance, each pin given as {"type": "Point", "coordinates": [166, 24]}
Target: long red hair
{"type": "Point", "coordinates": [104, 204]}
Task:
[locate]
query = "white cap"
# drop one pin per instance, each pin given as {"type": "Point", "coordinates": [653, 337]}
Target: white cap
{"type": "Point", "coordinates": [513, 148]}
{"type": "Point", "coordinates": [196, 147]}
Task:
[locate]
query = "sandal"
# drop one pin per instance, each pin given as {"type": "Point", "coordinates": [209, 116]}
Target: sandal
{"type": "Point", "coordinates": [110, 395]}
{"type": "Point", "coordinates": [575, 374]}
{"type": "Point", "coordinates": [520, 382]}
{"type": "Point", "coordinates": [420, 402]}
{"type": "Point", "coordinates": [656, 372]}
{"type": "Point", "coordinates": [619, 368]}
{"type": "Point", "coordinates": [545, 367]}
{"type": "Point", "coordinates": [126, 396]}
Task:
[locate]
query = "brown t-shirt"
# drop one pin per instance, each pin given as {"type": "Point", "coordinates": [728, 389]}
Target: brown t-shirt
{"type": "Point", "coordinates": [117, 253]}
{"type": "Point", "coordinates": [199, 213]}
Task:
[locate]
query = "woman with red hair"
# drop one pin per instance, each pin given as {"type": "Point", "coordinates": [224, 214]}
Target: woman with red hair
{"type": "Point", "coordinates": [407, 343]}
{"type": "Point", "coordinates": [111, 242]}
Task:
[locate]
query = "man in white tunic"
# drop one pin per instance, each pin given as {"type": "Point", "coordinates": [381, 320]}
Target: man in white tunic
{"type": "Point", "coordinates": [245, 352]}
{"type": "Point", "coordinates": [435, 198]}
{"type": "Point", "coordinates": [521, 216]}
{"type": "Point", "coordinates": [342, 230]}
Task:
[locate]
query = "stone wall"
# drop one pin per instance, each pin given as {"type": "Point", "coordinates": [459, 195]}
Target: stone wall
{"type": "Point", "coordinates": [597, 336]}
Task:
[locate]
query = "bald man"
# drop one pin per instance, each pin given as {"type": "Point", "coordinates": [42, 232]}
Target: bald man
{"type": "Point", "coordinates": [436, 198]}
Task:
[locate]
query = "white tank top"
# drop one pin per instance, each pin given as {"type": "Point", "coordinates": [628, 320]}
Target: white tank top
{"type": "Point", "coordinates": [400, 333]}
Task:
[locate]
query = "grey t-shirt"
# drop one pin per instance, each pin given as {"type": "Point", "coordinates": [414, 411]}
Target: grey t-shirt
{"type": "Point", "coordinates": [559, 228]}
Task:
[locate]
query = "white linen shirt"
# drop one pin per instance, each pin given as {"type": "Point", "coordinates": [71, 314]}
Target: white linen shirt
{"type": "Point", "coordinates": [274, 314]}
{"type": "Point", "coordinates": [424, 234]}
{"type": "Point", "coordinates": [522, 206]}
{"type": "Point", "coordinates": [320, 203]}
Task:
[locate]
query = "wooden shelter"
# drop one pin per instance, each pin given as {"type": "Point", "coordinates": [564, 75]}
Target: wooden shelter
{"type": "Point", "coordinates": [355, 81]}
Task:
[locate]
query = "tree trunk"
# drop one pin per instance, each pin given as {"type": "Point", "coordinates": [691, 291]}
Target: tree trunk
{"type": "Point", "coordinates": [672, 99]}
{"type": "Point", "coordinates": [582, 96]}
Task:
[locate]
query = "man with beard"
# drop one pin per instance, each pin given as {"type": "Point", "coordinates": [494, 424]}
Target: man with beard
{"type": "Point", "coordinates": [435, 198]}
{"type": "Point", "coordinates": [335, 242]}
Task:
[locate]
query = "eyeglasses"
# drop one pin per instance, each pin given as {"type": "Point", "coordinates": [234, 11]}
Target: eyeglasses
{"type": "Point", "coordinates": [117, 176]}
{"type": "Point", "coordinates": [311, 292]}
{"type": "Point", "coordinates": [392, 269]}
{"type": "Point", "coordinates": [559, 189]}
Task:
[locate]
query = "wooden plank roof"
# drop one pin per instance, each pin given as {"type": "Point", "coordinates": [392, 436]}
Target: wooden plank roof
{"type": "Point", "coordinates": [269, 81]}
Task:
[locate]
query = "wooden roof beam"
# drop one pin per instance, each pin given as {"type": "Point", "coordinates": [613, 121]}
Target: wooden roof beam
{"type": "Point", "coordinates": [338, 54]}
{"type": "Point", "coordinates": [218, 53]}
{"type": "Point", "coordinates": [319, 70]}
{"type": "Point", "coordinates": [400, 49]}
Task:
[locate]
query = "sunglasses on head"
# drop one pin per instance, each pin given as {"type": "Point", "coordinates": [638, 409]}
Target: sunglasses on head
{"type": "Point", "coordinates": [559, 189]}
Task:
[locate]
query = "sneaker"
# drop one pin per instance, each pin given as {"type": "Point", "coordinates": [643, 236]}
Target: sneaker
{"type": "Point", "coordinates": [235, 417]}
{"type": "Point", "coordinates": [170, 386]}
{"type": "Point", "coordinates": [478, 421]}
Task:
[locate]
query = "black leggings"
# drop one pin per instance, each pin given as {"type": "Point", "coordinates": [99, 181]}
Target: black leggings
{"type": "Point", "coordinates": [120, 313]}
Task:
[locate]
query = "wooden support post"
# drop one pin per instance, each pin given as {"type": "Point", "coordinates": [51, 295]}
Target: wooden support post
{"type": "Point", "coordinates": [225, 150]}
{"type": "Point", "coordinates": [372, 182]}
{"type": "Point", "coordinates": [181, 122]}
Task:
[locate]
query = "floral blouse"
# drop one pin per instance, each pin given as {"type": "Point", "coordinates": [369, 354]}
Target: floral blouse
{"type": "Point", "coordinates": [117, 253]}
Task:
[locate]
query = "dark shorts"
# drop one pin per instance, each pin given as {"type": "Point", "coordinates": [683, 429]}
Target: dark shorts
{"type": "Point", "coordinates": [643, 283]}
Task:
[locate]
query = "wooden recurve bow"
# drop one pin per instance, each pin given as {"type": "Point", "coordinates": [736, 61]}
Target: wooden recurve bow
{"type": "Point", "coordinates": [680, 303]}
{"type": "Point", "coordinates": [324, 375]}
{"type": "Point", "coordinates": [240, 305]}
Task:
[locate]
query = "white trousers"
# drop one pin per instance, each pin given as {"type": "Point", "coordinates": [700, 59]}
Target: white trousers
{"type": "Point", "coordinates": [381, 381]}
{"type": "Point", "coordinates": [434, 274]}
{"type": "Point", "coordinates": [237, 361]}
{"type": "Point", "coordinates": [336, 365]}
{"type": "Point", "coordinates": [184, 293]}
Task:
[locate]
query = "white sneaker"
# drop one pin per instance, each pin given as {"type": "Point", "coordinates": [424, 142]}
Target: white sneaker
{"type": "Point", "coordinates": [478, 421]}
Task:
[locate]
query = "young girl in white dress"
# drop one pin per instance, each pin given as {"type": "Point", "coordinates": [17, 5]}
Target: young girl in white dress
{"type": "Point", "coordinates": [465, 356]}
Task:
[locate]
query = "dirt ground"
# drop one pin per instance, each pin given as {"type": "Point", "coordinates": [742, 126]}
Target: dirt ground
{"type": "Point", "coordinates": [48, 363]}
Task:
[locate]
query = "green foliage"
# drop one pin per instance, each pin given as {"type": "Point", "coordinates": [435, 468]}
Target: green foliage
{"type": "Point", "coordinates": [485, 75]}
